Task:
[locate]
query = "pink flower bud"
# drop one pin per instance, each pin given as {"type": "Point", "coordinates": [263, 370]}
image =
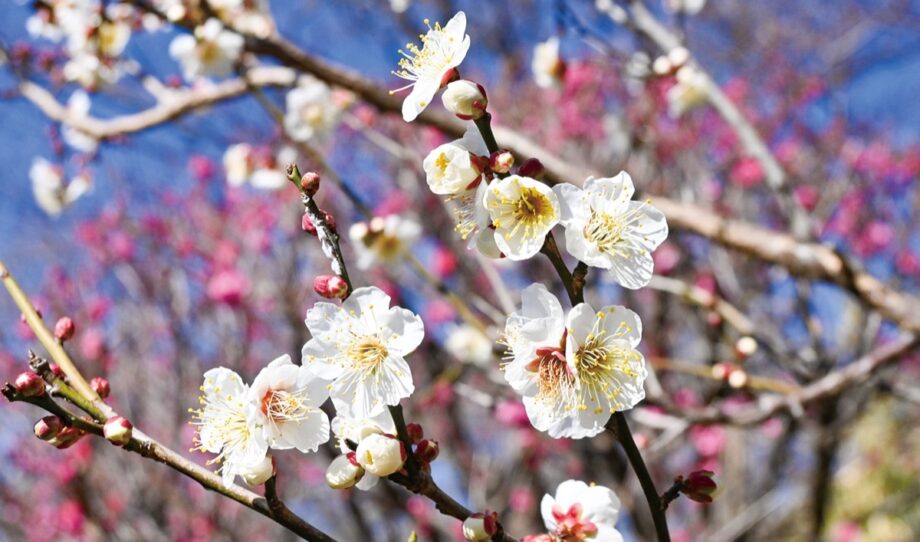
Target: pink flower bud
{"type": "Point", "coordinates": [118, 430]}
{"type": "Point", "coordinates": [330, 286]}
{"type": "Point", "coordinates": [56, 370]}
{"type": "Point", "coordinates": [307, 225]}
{"type": "Point", "coordinates": [64, 329]}
{"type": "Point", "coordinates": [538, 538]}
{"type": "Point", "coordinates": [699, 486]}
{"type": "Point", "coordinates": [48, 427]}
{"type": "Point", "coordinates": [66, 438]}
{"type": "Point", "coordinates": [501, 161]}
{"type": "Point", "coordinates": [480, 527]}
{"type": "Point", "coordinates": [532, 168]}
{"type": "Point", "coordinates": [309, 183]}
{"type": "Point", "coordinates": [427, 450]}
{"type": "Point", "coordinates": [29, 384]}
{"type": "Point", "coordinates": [100, 386]}
{"type": "Point", "coordinates": [416, 434]}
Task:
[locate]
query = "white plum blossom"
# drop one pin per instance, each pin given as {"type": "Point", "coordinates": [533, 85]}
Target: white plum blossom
{"type": "Point", "coordinates": [211, 52]}
{"type": "Point", "coordinates": [473, 222]}
{"type": "Point", "coordinates": [523, 211]}
{"type": "Point", "coordinates": [243, 163]}
{"type": "Point", "coordinates": [344, 472]}
{"type": "Point", "coordinates": [580, 512]}
{"type": "Point", "coordinates": [431, 67]}
{"type": "Point", "coordinates": [383, 239]}
{"type": "Point", "coordinates": [350, 429]}
{"type": "Point", "coordinates": [361, 346]}
{"type": "Point", "coordinates": [259, 473]}
{"type": "Point", "coordinates": [287, 399]}
{"type": "Point", "coordinates": [469, 345]}
{"type": "Point", "coordinates": [49, 189]}
{"type": "Point", "coordinates": [465, 99]}
{"type": "Point", "coordinates": [311, 112]}
{"type": "Point", "coordinates": [78, 108]}
{"type": "Point", "coordinates": [604, 228]}
{"type": "Point", "coordinates": [688, 93]}
{"type": "Point", "coordinates": [380, 455]}
{"type": "Point", "coordinates": [456, 166]}
{"type": "Point", "coordinates": [573, 371]}
{"type": "Point", "coordinates": [547, 66]}
{"type": "Point", "coordinates": [226, 425]}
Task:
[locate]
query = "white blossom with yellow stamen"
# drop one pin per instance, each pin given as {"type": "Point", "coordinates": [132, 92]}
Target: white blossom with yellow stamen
{"type": "Point", "coordinates": [443, 49]}
{"type": "Point", "coordinates": [473, 222]}
{"type": "Point", "coordinates": [287, 399]}
{"type": "Point", "coordinates": [383, 239]}
{"type": "Point", "coordinates": [311, 111]}
{"type": "Point", "coordinates": [226, 425]}
{"type": "Point", "coordinates": [604, 228]}
{"type": "Point", "coordinates": [523, 211]}
{"type": "Point", "coordinates": [212, 50]}
{"type": "Point", "coordinates": [453, 167]}
{"type": "Point", "coordinates": [600, 348]}
{"type": "Point", "coordinates": [361, 346]}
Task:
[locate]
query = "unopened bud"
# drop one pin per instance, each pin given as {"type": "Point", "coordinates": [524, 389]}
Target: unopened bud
{"type": "Point", "coordinates": [501, 161]}
{"type": "Point", "coordinates": [465, 99]}
{"type": "Point", "coordinates": [738, 378]}
{"type": "Point", "coordinates": [29, 384]}
{"type": "Point", "coordinates": [118, 430]}
{"type": "Point", "coordinates": [309, 183]}
{"type": "Point", "coordinates": [415, 431]}
{"type": "Point", "coordinates": [307, 225]}
{"type": "Point", "coordinates": [259, 473]}
{"type": "Point", "coordinates": [100, 386]}
{"type": "Point", "coordinates": [343, 473]}
{"type": "Point", "coordinates": [678, 56]}
{"type": "Point", "coordinates": [64, 329]}
{"type": "Point", "coordinates": [66, 438]}
{"type": "Point", "coordinates": [699, 486]}
{"type": "Point", "coordinates": [746, 346]}
{"type": "Point", "coordinates": [48, 427]}
{"type": "Point", "coordinates": [721, 370]}
{"type": "Point", "coordinates": [56, 370]}
{"type": "Point", "coordinates": [480, 527]}
{"type": "Point", "coordinates": [427, 450]}
{"type": "Point", "coordinates": [532, 168]}
{"type": "Point", "coordinates": [330, 286]}
{"type": "Point", "coordinates": [381, 454]}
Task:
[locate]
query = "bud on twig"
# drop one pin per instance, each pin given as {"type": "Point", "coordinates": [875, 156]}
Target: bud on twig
{"type": "Point", "coordinates": [699, 486]}
{"type": "Point", "coordinates": [259, 473]}
{"type": "Point", "coordinates": [344, 472]}
{"type": "Point", "coordinates": [415, 431]}
{"type": "Point", "coordinates": [64, 329]}
{"type": "Point", "coordinates": [532, 168]}
{"type": "Point", "coordinates": [465, 99]}
{"type": "Point", "coordinates": [66, 438]}
{"type": "Point", "coordinates": [307, 225]}
{"type": "Point", "coordinates": [118, 430]}
{"type": "Point", "coordinates": [381, 454]}
{"type": "Point", "coordinates": [100, 386]}
{"type": "Point", "coordinates": [501, 161]}
{"type": "Point", "coordinates": [48, 427]}
{"type": "Point", "coordinates": [427, 450]}
{"type": "Point", "coordinates": [330, 286]}
{"type": "Point", "coordinates": [480, 527]}
{"type": "Point", "coordinates": [309, 183]}
{"type": "Point", "coordinates": [29, 384]}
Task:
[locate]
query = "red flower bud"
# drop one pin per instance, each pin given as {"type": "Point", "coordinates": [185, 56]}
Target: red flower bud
{"type": "Point", "coordinates": [330, 286]}
{"type": "Point", "coordinates": [66, 438]}
{"type": "Point", "coordinates": [309, 183]}
{"type": "Point", "coordinates": [29, 384]}
{"type": "Point", "coordinates": [56, 370]}
{"type": "Point", "coordinates": [699, 486]}
{"type": "Point", "coordinates": [307, 225]}
{"type": "Point", "coordinates": [427, 450]}
{"type": "Point", "coordinates": [118, 430]}
{"type": "Point", "coordinates": [532, 168]}
{"type": "Point", "coordinates": [501, 161]}
{"type": "Point", "coordinates": [100, 386]}
{"type": "Point", "coordinates": [48, 427]}
{"type": "Point", "coordinates": [64, 329]}
{"type": "Point", "coordinates": [416, 434]}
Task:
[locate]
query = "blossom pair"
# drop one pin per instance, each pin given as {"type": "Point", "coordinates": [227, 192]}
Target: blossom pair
{"type": "Point", "coordinates": [240, 423]}
{"type": "Point", "coordinates": [573, 370]}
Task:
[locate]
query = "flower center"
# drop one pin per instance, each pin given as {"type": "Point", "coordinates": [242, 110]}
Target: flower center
{"type": "Point", "coordinates": [570, 527]}
{"type": "Point", "coordinates": [442, 162]}
{"type": "Point", "coordinates": [599, 362]}
{"type": "Point", "coordinates": [312, 115]}
{"type": "Point", "coordinates": [285, 406]}
{"type": "Point", "coordinates": [368, 353]}
{"type": "Point", "coordinates": [608, 231]}
{"type": "Point", "coordinates": [531, 211]}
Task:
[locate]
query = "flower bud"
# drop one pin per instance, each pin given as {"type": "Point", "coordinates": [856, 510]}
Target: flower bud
{"type": "Point", "coordinates": [66, 438]}
{"type": "Point", "coordinates": [427, 450]}
{"type": "Point", "coordinates": [746, 346]}
{"type": "Point", "coordinates": [307, 225]}
{"type": "Point", "coordinates": [48, 427]}
{"type": "Point", "coordinates": [56, 370]}
{"type": "Point", "coordinates": [416, 433]}
{"type": "Point", "coordinates": [465, 99]}
{"type": "Point", "coordinates": [480, 527]}
{"type": "Point", "coordinates": [309, 183]}
{"type": "Point", "coordinates": [501, 161]}
{"type": "Point", "coordinates": [538, 538]}
{"type": "Point", "coordinates": [330, 286]}
{"type": "Point", "coordinates": [29, 384]}
{"type": "Point", "coordinates": [699, 486]}
{"type": "Point", "coordinates": [738, 378]}
{"type": "Point", "coordinates": [100, 386]}
{"type": "Point", "coordinates": [64, 329]}
{"type": "Point", "coordinates": [532, 168]}
{"type": "Point", "coordinates": [259, 473]}
{"type": "Point", "coordinates": [380, 454]}
{"type": "Point", "coordinates": [343, 473]}
{"type": "Point", "coordinates": [118, 430]}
